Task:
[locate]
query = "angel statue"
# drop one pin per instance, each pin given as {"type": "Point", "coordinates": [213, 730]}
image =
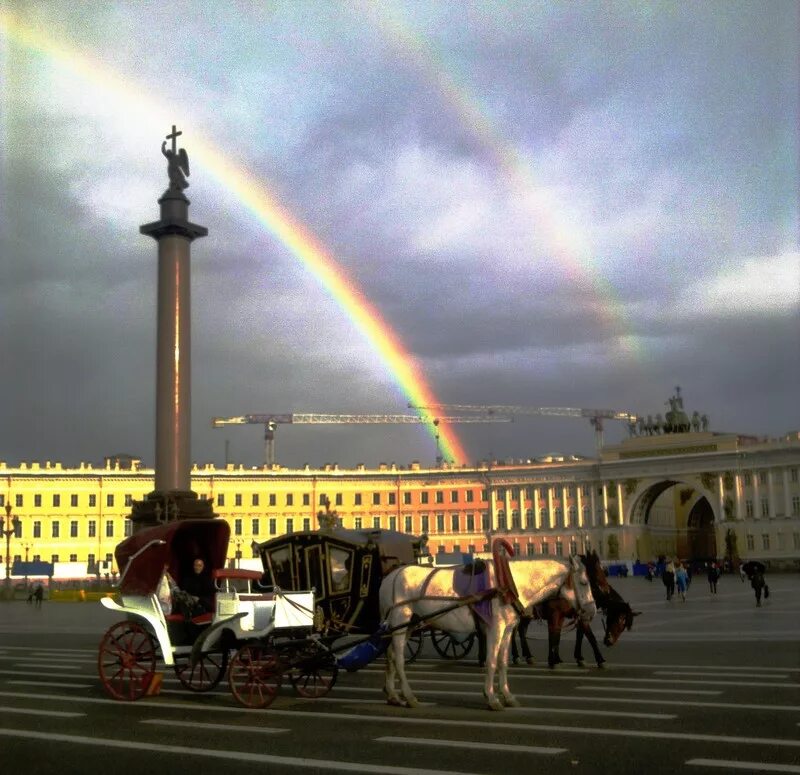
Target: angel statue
{"type": "Point", "coordinates": [177, 166]}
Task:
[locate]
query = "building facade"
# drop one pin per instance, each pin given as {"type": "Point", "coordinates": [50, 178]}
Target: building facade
{"type": "Point", "coordinates": [691, 495]}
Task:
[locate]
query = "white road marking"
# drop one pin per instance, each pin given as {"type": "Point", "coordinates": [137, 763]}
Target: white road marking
{"type": "Point", "coordinates": [749, 766]}
{"type": "Point", "coordinates": [633, 689]}
{"type": "Point", "coordinates": [34, 712]}
{"type": "Point", "coordinates": [571, 697]}
{"type": "Point", "coordinates": [734, 684]}
{"type": "Point", "coordinates": [51, 684]}
{"type": "Point", "coordinates": [210, 753]}
{"type": "Point", "coordinates": [163, 722]}
{"type": "Point", "coordinates": [463, 744]}
{"type": "Point", "coordinates": [722, 675]}
{"type": "Point", "coordinates": [48, 665]}
{"type": "Point", "coordinates": [36, 672]}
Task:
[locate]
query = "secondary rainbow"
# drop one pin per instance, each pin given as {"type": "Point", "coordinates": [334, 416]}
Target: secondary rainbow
{"type": "Point", "coordinates": [132, 103]}
{"type": "Point", "coordinates": [559, 229]}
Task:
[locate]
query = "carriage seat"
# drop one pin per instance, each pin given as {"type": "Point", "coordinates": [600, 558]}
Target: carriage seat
{"type": "Point", "coordinates": [204, 618]}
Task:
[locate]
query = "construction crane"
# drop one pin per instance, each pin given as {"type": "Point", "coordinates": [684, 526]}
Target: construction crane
{"type": "Point", "coordinates": [271, 422]}
{"type": "Point", "coordinates": [596, 416]}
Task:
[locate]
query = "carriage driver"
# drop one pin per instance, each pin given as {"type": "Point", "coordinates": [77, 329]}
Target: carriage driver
{"type": "Point", "coordinates": [200, 585]}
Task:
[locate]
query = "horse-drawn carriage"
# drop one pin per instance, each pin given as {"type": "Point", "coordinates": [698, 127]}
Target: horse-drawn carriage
{"type": "Point", "coordinates": [326, 600]}
{"type": "Point", "coordinates": [253, 634]}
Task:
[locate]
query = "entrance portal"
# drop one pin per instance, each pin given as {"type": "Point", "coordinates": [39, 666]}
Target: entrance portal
{"type": "Point", "coordinates": [700, 525]}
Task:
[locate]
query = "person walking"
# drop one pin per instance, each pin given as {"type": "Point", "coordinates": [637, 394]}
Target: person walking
{"type": "Point", "coordinates": [713, 577]}
{"type": "Point", "coordinates": [38, 594]}
{"type": "Point", "coordinates": [668, 577]}
{"type": "Point", "coordinates": [759, 585]}
{"type": "Point", "coordinates": [681, 580]}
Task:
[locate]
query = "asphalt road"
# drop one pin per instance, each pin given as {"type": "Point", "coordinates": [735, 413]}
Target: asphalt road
{"type": "Point", "coordinates": [709, 685]}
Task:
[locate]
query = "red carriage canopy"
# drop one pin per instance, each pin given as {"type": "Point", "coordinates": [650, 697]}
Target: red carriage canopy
{"type": "Point", "coordinates": [142, 557]}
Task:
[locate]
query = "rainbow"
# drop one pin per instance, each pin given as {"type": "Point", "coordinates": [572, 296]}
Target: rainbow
{"type": "Point", "coordinates": [557, 228]}
{"type": "Point", "coordinates": [132, 101]}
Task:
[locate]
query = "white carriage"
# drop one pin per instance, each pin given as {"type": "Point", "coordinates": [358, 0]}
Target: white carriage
{"type": "Point", "coordinates": [253, 634]}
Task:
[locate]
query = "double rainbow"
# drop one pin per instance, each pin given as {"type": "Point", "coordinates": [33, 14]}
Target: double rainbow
{"type": "Point", "coordinates": [253, 194]}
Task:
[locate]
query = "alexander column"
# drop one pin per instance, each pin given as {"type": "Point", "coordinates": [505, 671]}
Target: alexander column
{"type": "Point", "coordinates": [173, 497]}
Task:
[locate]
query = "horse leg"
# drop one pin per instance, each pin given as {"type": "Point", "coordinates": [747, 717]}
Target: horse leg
{"type": "Point", "coordinates": [598, 656]}
{"type": "Point", "coordinates": [390, 673]}
{"type": "Point", "coordinates": [524, 623]}
{"type": "Point", "coordinates": [492, 652]}
{"type": "Point", "coordinates": [554, 624]}
{"type": "Point", "coordinates": [578, 654]}
{"type": "Point", "coordinates": [502, 675]}
{"type": "Point", "coordinates": [399, 646]}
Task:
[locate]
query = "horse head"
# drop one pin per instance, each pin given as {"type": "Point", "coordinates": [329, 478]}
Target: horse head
{"type": "Point", "coordinates": [578, 582]}
{"type": "Point", "coordinates": [619, 617]}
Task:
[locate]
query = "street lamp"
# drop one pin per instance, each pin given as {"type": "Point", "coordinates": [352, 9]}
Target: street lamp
{"type": "Point", "coordinates": [8, 528]}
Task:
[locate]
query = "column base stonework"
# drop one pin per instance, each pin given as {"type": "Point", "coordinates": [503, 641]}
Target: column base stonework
{"type": "Point", "coordinates": [160, 507]}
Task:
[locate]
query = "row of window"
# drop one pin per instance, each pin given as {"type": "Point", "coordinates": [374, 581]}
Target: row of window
{"type": "Point", "coordinates": [19, 500]}
{"type": "Point", "coordinates": [358, 498]}
{"type": "Point", "coordinates": [531, 548]}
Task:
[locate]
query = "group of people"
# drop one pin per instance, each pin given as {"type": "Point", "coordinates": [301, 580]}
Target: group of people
{"type": "Point", "coordinates": [36, 595]}
{"type": "Point", "coordinates": [676, 578]}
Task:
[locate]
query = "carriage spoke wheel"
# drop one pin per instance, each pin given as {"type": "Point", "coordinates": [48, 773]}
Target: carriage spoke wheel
{"type": "Point", "coordinates": [254, 676]}
{"type": "Point", "coordinates": [206, 673]}
{"type": "Point", "coordinates": [413, 645]}
{"type": "Point", "coordinates": [314, 676]}
{"type": "Point", "coordinates": [126, 661]}
{"type": "Point", "coordinates": [448, 647]}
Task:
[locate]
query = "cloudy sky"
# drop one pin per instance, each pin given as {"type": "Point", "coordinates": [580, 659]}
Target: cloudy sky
{"type": "Point", "coordinates": [540, 204]}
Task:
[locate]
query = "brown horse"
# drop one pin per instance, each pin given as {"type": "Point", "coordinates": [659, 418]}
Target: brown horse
{"type": "Point", "coordinates": [618, 616]}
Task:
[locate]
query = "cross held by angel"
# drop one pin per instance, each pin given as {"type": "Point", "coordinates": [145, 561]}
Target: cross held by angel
{"type": "Point", "coordinates": [177, 162]}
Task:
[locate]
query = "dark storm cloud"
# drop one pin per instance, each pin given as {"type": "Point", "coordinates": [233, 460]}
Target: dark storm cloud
{"type": "Point", "coordinates": [550, 205]}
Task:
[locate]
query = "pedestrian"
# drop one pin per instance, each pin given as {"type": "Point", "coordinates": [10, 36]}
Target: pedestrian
{"type": "Point", "coordinates": [681, 580]}
{"type": "Point", "coordinates": [759, 585]}
{"type": "Point", "coordinates": [713, 576]}
{"type": "Point", "coordinates": [38, 594]}
{"type": "Point", "coordinates": [668, 577]}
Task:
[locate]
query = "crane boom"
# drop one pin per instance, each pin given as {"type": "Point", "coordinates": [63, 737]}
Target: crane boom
{"type": "Point", "coordinates": [271, 422]}
{"type": "Point", "coordinates": [595, 416]}
{"type": "Point", "coordinates": [553, 411]}
{"type": "Point", "coordinates": [350, 419]}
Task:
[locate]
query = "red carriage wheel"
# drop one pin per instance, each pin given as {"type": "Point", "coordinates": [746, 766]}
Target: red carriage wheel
{"type": "Point", "coordinates": [254, 676]}
{"type": "Point", "coordinates": [127, 660]}
{"type": "Point", "coordinates": [450, 648]}
{"type": "Point", "coordinates": [206, 673]}
{"type": "Point", "coordinates": [314, 676]}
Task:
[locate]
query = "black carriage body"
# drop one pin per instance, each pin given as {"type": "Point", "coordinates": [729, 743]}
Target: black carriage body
{"type": "Point", "coordinates": [344, 567]}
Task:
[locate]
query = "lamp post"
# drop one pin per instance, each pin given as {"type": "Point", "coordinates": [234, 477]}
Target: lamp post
{"type": "Point", "coordinates": [8, 528]}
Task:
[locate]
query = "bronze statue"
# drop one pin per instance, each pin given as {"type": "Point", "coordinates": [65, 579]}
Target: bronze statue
{"type": "Point", "coordinates": [177, 163]}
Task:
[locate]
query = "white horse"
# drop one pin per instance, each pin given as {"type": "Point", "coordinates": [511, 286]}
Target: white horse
{"type": "Point", "coordinates": [412, 593]}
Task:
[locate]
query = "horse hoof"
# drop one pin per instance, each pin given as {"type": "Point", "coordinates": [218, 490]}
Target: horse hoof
{"type": "Point", "coordinates": [496, 705]}
{"type": "Point", "coordinates": [396, 701]}
{"type": "Point", "coordinates": [513, 702]}
{"type": "Point", "coordinates": [529, 660]}
{"type": "Point", "coordinates": [601, 666]}
{"type": "Point", "coordinates": [581, 663]}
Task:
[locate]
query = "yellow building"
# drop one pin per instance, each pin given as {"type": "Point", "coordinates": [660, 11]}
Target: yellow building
{"type": "Point", "coordinates": [683, 494]}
